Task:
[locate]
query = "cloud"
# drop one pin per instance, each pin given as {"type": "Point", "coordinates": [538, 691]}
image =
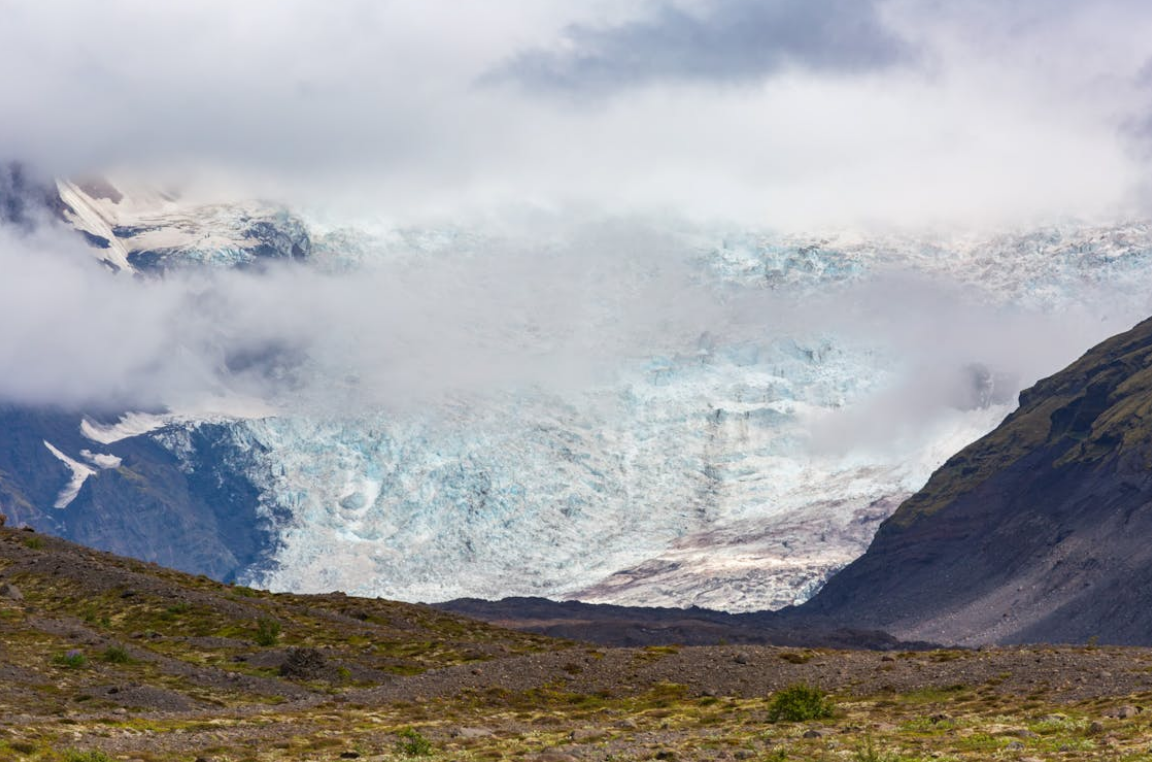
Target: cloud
{"type": "Point", "coordinates": [953, 351]}
{"type": "Point", "coordinates": [783, 114]}
{"type": "Point", "coordinates": [558, 306]}
{"type": "Point", "coordinates": [405, 330]}
{"type": "Point", "coordinates": [724, 42]}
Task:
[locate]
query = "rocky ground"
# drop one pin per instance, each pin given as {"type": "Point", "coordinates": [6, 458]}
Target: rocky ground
{"type": "Point", "coordinates": [105, 658]}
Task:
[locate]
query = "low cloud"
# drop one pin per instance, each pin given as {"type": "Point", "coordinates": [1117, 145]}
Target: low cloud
{"type": "Point", "coordinates": [559, 311]}
{"type": "Point", "coordinates": [952, 349]}
{"type": "Point", "coordinates": [503, 316]}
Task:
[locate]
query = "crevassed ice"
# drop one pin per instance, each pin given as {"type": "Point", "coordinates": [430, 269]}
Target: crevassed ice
{"type": "Point", "coordinates": [684, 481]}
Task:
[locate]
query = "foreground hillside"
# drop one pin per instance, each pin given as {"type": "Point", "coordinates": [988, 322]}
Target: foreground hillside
{"type": "Point", "coordinates": [108, 658]}
{"type": "Point", "coordinates": [1036, 533]}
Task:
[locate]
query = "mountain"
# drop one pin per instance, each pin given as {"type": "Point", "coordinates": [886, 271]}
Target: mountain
{"type": "Point", "coordinates": [141, 228]}
{"type": "Point", "coordinates": [133, 227]}
{"type": "Point", "coordinates": [132, 496]}
{"type": "Point", "coordinates": [1038, 532]}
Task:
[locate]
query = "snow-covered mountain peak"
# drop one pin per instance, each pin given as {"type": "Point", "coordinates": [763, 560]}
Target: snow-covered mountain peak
{"type": "Point", "coordinates": [135, 227]}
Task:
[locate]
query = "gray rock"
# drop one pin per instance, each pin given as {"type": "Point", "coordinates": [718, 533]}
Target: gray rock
{"type": "Point", "coordinates": [813, 733]}
{"type": "Point", "coordinates": [1124, 712]}
{"type": "Point", "coordinates": [11, 592]}
{"type": "Point", "coordinates": [1096, 727]}
{"type": "Point", "coordinates": [740, 658]}
{"type": "Point", "coordinates": [467, 733]}
{"type": "Point", "coordinates": [554, 756]}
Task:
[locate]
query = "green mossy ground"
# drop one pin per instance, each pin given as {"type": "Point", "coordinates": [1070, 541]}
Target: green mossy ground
{"type": "Point", "coordinates": [172, 672]}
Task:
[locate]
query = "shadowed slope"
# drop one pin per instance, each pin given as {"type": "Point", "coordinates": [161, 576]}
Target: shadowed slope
{"type": "Point", "coordinates": [1037, 532]}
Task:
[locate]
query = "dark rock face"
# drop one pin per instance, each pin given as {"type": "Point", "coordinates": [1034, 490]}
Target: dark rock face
{"type": "Point", "coordinates": [282, 238]}
{"type": "Point", "coordinates": [203, 520]}
{"type": "Point", "coordinates": [25, 200]}
{"type": "Point", "coordinates": [1037, 532]}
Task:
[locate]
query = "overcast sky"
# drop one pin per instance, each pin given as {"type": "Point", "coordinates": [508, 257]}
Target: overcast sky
{"type": "Point", "coordinates": [784, 113]}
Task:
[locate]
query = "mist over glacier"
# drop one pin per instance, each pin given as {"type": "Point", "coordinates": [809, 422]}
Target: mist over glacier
{"type": "Point", "coordinates": [616, 410]}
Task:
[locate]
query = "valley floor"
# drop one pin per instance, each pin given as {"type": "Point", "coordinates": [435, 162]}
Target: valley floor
{"type": "Point", "coordinates": [615, 704]}
{"type": "Point", "coordinates": [104, 658]}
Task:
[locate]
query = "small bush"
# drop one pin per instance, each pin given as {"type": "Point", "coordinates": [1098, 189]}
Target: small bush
{"type": "Point", "coordinates": [34, 543]}
{"type": "Point", "coordinates": [71, 660]}
{"type": "Point", "coordinates": [795, 658]}
{"type": "Point", "coordinates": [267, 631]}
{"type": "Point", "coordinates": [116, 655]}
{"type": "Point", "coordinates": [174, 611]}
{"type": "Point", "coordinates": [412, 744]}
{"type": "Point", "coordinates": [799, 703]}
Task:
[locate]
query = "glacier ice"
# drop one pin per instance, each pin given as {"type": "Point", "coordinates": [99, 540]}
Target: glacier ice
{"type": "Point", "coordinates": [689, 476]}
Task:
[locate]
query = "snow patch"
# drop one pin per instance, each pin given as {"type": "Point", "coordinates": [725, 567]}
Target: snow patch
{"type": "Point", "coordinates": [101, 460]}
{"type": "Point", "coordinates": [129, 425]}
{"type": "Point", "coordinates": [80, 474]}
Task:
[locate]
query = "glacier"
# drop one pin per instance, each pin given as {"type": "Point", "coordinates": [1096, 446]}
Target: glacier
{"type": "Point", "coordinates": [635, 412]}
{"type": "Point", "coordinates": [705, 473]}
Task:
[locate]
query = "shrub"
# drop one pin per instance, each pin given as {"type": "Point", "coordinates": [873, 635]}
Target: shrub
{"type": "Point", "coordinates": [267, 631]}
{"type": "Point", "coordinates": [174, 611]}
{"type": "Point", "coordinates": [412, 744]}
{"type": "Point", "coordinates": [116, 655]}
{"type": "Point", "coordinates": [795, 658]}
{"type": "Point", "coordinates": [34, 543]}
{"type": "Point", "coordinates": [799, 703]}
{"type": "Point", "coordinates": [71, 660]}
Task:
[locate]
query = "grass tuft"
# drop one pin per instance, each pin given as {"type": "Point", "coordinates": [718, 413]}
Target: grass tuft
{"type": "Point", "coordinates": [116, 655]}
{"type": "Point", "coordinates": [73, 659]}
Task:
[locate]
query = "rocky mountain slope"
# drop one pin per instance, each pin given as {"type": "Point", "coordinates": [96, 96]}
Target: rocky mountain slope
{"type": "Point", "coordinates": [132, 496]}
{"type": "Point", "coordinates": [1037, 532]}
